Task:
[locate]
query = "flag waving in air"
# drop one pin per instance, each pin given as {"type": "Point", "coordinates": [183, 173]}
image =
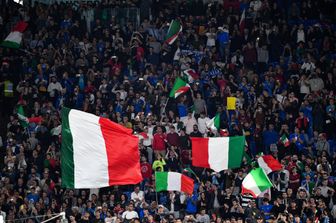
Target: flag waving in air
{"type": "Point", "coordinates": [256, 182]}
{"type": "Point", "coordinates": [269, 164]}
{"type": "Point", "coordinates": [174, 30]}
{"type": "Point", "coordinates": [13, 40]}
{"type": "Point", "coordinates": [190, 75]}
{"type": "Point", "coordinates": [172, 181]}
{"type": "Point", "coordinates": [218, 153]}
{"type": "Point", "coordinates": [214, 123]}
{"type": "Point", "coordinates": [180, 87]}
{"type": "Point", "coordinates": [97, 152]}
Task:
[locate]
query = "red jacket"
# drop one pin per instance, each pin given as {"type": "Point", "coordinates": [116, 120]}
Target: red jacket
{"type": "Point", "coordinates": [146, 170]}
{"type": "Point", "coordinates": [159, 142]}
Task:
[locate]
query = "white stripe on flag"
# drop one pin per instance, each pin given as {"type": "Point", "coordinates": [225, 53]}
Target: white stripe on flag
{"type": "Point", "coordinates": [218, 150]}
{"type": "Point", "coordinates": [249, 183]}
{"type": "Point", "coordinates": [87, 172]}
{"type": "Point", "coordinates": [264, 165]}
{"type": "Point", "coordinates": [174, 181]}
{"type": "Point", "coordinates": [14, 37]}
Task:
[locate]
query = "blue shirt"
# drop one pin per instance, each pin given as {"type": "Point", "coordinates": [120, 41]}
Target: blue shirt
{"type": "Point", "coordinates": [266, 209]}
{"type": "Point", "coordinates": [270, 137]}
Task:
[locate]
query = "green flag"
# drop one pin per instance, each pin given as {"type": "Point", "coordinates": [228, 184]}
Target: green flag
{"type": "Point", "coordinates": [21, 115]}
{"type": "Point", "coordinates": [180, 87]}
{"type": "Point", "coordinates": [175, 28]}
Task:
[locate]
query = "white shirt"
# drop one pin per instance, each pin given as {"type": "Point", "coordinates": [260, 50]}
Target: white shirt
{"type": "Point", "coordinates": [202, 124]}
{"type": "Point", "coordinates": [189, 124]}
{"type": "Point", "coordinates": [211, 39]}
{"type": "Point", "coordinates": [129, 215]}
{"type": "Point", "coordinates": [137, 197]}
{"type": "Point", "coordinates": [300, 36]}
{"type": "Point", "coordinates": [54, 86]}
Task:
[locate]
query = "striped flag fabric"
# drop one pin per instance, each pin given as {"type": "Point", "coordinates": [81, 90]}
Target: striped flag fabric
{"type": "Point", "coordinates": [214, 123]}
{"type": "Point", "coordinates": [256, 182]}
{"type": "Point", "coordinates": [284, 140]}
{"type": "Point", "coordinates": [218, 153]}
{"type": "Point", "coordinates": [97, 152]}
{"type": "Point", "coordinates": [269, 164]}
{"type": "Point", "coordinates": [180, 87]}
{"type": "Point", "coordinates": [24, 120]}
{"type": "Point", "coordinates": [172, 181]}
{"type": "Point", "coordinates": [175, 28]}
{"type": "Point", "coordinates": [242, 22]}
{"type": "Point", "coordinates": [13, 40]}
{"type": "Point", "coordinates": [190, 75]}
{"type": "Point", "coordinates": [22, 117]}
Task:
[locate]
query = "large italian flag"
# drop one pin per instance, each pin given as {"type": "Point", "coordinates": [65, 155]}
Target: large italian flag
{"type": "Point", "coordinates": [172, 181]}
{"type": "Point", "coordinates": [219, 153]}
{"type": "Point", "coordinates": [14, 38]}
{"type": "Point", "coordinates": [269, 164]}
{"type": "Point", "coordinates": [180, 87]}
{"type": "Point", "coordinates": [97, 152]}
{"type": "Point", "coordinates": [256, 182]}
{"type": "Point", "coordinates": [174, 30]}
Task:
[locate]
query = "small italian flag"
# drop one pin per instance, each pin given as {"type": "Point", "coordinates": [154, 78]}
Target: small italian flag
{"type": "Point", "coordinates": [172, 181]}
{"type": "Point", "coordinates": [284, 140]}
{"type": "Point", "coordinates": [14, 38]}
{"type": "Point", "coordinates": [214, 123]}
{"type": "Point", "coordinates": [190, 75]}
{"type": "Point", "coordinates": [269, 164]}
{"type": "Point", "coordinates": [174, 30]}
{"type": "Point", "coordinates": [242, 22]}
{"type": "Point", "coordinates": [218, 153]}
{"type": "Point", "coordinates": [97, 152]}
{"type": "Point", "coordinates": [256, 182]}
{"type": "Point", "coordinates": [180, 87]}
{"type": "Point", "coordinates": [22, 117]}
{"type": "Point", "coordinates": [24, 121]}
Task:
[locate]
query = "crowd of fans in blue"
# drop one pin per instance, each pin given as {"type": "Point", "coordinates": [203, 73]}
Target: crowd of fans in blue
{"type": "Point", "coordinates": [279, 62]}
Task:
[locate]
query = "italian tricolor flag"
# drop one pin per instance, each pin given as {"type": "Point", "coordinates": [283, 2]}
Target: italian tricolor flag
{"type": "Point", "coordinates": [214, 123]}
{"type": "Point", "coordinates": [284, 140]}
{"type": "Point", "coordinates": [174, 30]}
{"type": "Point", "coordinates": [24, 121]}
{"type": "Point", "coordinates": [190, 75]}
{"type": "Point", "coordinates": [242, 22]}
{"type": "Point", "coordinates": [14, 38]}
{"type": "Point", "coordinates": [172, 181]}
{"type": "Point", "coordinates": [219, 153]}
{"type": "Point", "coordinates": [269, 164]}
{"type": "Point", "coordinates": [180, 87]}
{"type": "Point", "coordinates": [256, 182]}
{"type": "Point", "coordinates": [97, 152]}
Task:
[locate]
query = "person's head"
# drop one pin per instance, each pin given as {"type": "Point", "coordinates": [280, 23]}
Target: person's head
{"type": "Point", "coordinates": [172, 129]}
{"type": "Point", "coordinates": [195, 127]}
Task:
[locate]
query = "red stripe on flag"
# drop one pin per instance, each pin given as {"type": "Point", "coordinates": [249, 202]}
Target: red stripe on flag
{"type": "Point", "coordinates": [187, 184]}
{"type": "Point", "coordinates": [122, 154]}
{"type": "Point", "coordinates": [20, 27]}
{"type": "Point", "coordinates": [200, 155]}
{"type": "Point", "coordinates": [272, 163]}
{"type": "Point", "coordinates": [247, 191]}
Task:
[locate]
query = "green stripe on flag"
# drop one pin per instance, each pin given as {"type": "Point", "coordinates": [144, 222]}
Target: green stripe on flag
{"type": "Point", "coordinates": [236, 150]}
{"type": "Point", "coordinates": [217, 121]}
{"type": "Point", "coordinates": [10, 44]}
{"type": "Point", "coordinates": [261, 179]}
{"type": "Point", "coordinates": [177, 85]}
{"type": "Point", "coordinates": [67, 159]}
{"type": "Point", "coordinates": [161, 181]}
{"type": "Point", "coordinates": [22, 117]}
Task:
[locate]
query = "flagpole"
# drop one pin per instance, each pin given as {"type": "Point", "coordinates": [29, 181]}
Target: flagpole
{"type": "Point", "coordinates": [164, 109]}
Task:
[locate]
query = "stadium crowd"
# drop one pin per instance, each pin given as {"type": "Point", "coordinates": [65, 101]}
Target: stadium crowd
{"type": "Point", "coordinates": [279, 62]}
